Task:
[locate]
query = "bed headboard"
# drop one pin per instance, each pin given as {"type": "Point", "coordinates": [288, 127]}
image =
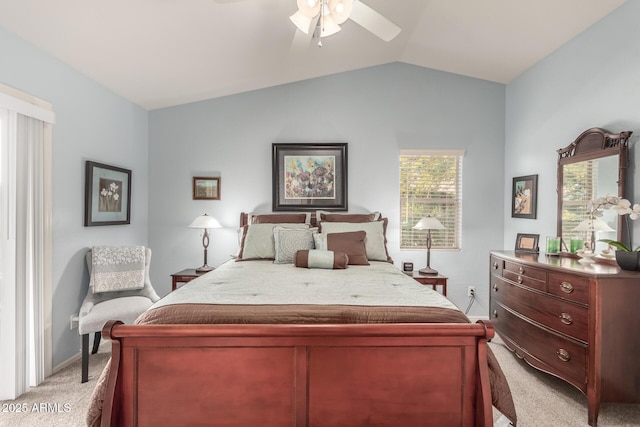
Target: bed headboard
{"type": "Point", "coordinates": [244, 217]}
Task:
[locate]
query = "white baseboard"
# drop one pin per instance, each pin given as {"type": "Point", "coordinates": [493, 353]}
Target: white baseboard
{"type": "Point", "coordinates": [66, 363]}
{"type": "Point", "coordinates": [78, 356]}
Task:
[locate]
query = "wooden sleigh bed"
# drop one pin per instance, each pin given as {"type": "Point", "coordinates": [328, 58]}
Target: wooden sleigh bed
{"type": "Point", "coordinates": [188, 362]}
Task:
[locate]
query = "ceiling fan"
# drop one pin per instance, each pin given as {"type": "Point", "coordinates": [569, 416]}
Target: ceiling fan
{"type": "Point", "coordinates": [325, 16]}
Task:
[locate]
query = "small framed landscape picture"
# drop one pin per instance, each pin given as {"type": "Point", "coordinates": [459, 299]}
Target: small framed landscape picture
{"type": "Point", "coordinates": [206, 188]}
{"type": "Point", "coordinates": [524, 197]}
{"type": "Point", "coordinates": [527, 243]}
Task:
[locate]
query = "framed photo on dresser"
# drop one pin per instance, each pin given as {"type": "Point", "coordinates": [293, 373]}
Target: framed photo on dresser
{"type": "Point", "coordinates": [527, 243]}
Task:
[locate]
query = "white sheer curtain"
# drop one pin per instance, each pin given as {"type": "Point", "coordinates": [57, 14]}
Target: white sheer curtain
{"type": "Point", "coordinates": [25, 245]}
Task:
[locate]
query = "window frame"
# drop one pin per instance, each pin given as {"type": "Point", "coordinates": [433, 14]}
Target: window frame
{"type": "Point", "coordinates": [451, 235]}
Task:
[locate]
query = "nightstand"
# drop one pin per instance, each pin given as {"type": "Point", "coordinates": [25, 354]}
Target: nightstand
{"type": "Point", "coordinates": [433, 280]}
{"type": "Point", "coordinates": [183, 276]}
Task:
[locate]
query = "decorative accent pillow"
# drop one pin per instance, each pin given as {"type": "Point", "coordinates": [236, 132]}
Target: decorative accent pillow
{"type": "Point", "coordinates": [258, 241]}
{"type": "Point", "coordinates": [375, 242]}
{"type": "Point", "coordinates": [340, 217]}
{"type": "Point", "coordinates": [279, 218]}
{"type": "Point", "coordinates": [289, 240]}
{"type": "Point", "coordinates": [117, 268]}
{"type": "Point", "coordinates": [315, 258]}
{"type": "Point", "coordinates": [351, 243]}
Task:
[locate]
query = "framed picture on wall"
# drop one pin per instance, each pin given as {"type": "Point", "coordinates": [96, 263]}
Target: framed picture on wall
{"type": "Point", "coordinates": [524, 197]}
{"type": "Point", "coordinates": [107, 195]}
{"type": "Point", "coordinates": [309, 176]}
{"type": "Point", "coordinates": [205, 188]}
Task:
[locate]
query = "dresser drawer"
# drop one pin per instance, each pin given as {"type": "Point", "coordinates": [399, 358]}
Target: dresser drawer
{"type": "Point", "coordinates": [562, 354]}
{"type": "Point", "coordinates": [528, 281]}
{"type": "Point", "coordinates": [570, 287]}
{"type": "Point", "coordinates": [562, 316]}
{"type": "Point", "coordinates": [524, 270]}
{"type": "Point", "coordinates": [496, 265]}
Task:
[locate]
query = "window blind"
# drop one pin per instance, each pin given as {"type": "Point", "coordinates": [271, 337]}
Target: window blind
{"type": "Point", "coordinates": [431, 185]}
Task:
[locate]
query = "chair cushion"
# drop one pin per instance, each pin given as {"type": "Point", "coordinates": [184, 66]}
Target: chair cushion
{"type": "Point", "coordinates": [125, 309]}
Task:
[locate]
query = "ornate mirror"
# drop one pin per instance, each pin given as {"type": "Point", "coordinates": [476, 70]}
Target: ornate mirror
{"type": "Point", "coordinates": [593, 165]}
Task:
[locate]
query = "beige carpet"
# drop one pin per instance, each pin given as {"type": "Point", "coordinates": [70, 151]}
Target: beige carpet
{"type": "Point", "coordinates": [544, 400]}
{"type": "Point", "coordinates": [61, 400]}
{"type": "Point", "coordinates": [540, 399]}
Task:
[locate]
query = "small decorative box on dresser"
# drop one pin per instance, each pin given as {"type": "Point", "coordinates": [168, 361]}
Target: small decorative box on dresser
{"type": "Point", "coordinates": [578, 322]}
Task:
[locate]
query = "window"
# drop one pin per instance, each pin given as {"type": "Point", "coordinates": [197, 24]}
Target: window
{"type": "Point", "coordinates": [431, 185]}
{"type": "Point", "coordinates": [580, 182]}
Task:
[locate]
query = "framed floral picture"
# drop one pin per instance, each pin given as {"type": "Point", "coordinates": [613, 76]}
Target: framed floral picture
{"type": "Point", "coordinates": [524, 198]}
{"type": "Point", "coordinates": [309, 176]}
{"type": "Point", "coordinates": [107, 195]}
{"type": "Point", "coordinates": [205, 188]}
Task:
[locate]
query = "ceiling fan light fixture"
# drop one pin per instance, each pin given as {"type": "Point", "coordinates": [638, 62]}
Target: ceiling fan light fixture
{"type": "Point", "coordinates": [301, 21]}
{"type": "Point", "coordinates": [340, 10]}
{"type": "Point", "coordinates": [328, 26]}
{"type": "Point", "coordinates": [309, 8]}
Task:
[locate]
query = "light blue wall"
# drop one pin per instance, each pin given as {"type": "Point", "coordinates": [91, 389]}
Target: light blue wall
{"type": "Point", "coordinates": [592, 81]}
{"type": "Point", "coordinates": [378, 111]}
{"type": "Point", "coordinates": [92, 123]}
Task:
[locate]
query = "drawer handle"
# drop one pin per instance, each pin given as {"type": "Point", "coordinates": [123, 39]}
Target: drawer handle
{"type": "Point", "coordinates": [521, 269]}
{"type": "Point", "coordinates": [566, 318]}
{"type": "Point", "coordinates": [495, 265]}
{"type": "Point", "coordinates": [519, 279]}
{"type": "Point", "coordinates": [495, 314]}
{"type": "Point", "coordinates": [563, 355]}
{"type": "Point", "coordinates": [566, 287]}
{"type": "Point", "coordinates": [495, 287]}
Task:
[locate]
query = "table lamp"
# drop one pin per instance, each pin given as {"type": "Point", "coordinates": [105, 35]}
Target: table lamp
{"type": "Point", "coordinates": [205, 222]}
{"type": "Point", "coordinates": [428, 223]}
{"type": "Point", "coordinates": [592, 225]}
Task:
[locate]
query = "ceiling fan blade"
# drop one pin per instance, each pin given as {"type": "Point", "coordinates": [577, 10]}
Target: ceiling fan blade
{"type": "Point", "coordinates": [373, 21]}
{"type": "Point", "coordinates": [301, 40]}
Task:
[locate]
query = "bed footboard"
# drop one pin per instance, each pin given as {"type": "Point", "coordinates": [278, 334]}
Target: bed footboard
{"type": "Point", "coordinates": [298, 375]}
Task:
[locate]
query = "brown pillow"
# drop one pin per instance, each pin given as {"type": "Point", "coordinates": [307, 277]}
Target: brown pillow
{"type": "Point", "coordinates": [336, 217]}
{"type": "Point", "coordinates": [301, 218]}
{"type": "Point", "coordinates": [351, 243]}
{"type": "Point", "coordinates": [314, 258]}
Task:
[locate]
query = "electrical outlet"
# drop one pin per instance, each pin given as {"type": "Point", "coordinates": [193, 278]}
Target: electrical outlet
{"type": "Point", "coordinates": [73, 321]}
{"type": "Point", "coordinates": [471, 291]}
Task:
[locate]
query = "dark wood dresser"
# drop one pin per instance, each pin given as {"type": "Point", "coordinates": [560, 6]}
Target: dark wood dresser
{"type": "Point", "coordinates": [578, 322]}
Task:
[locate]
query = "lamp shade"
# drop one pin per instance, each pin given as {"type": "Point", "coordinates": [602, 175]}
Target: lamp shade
{"type": "Point", "coordinates": [593, 225]}
{"type": "Point", "coordinates": [205, 221]}
{"type": "Point", "coordinates": [428, 223]}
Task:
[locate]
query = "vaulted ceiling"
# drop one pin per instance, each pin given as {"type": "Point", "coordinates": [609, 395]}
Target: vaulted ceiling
{"type": "Point", "coordinates": [159, 53]}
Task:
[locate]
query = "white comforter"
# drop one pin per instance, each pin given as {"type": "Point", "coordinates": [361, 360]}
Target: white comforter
{"type": "Point", "coordinates": [263, 282]}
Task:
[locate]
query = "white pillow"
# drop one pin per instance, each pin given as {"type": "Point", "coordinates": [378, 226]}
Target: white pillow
{"type": "Point", "coordinates": [374, 242]}
{"type": "Point", "coordinates": [290, 240]}
{"type": "Point", "coordinates": [258, 241]}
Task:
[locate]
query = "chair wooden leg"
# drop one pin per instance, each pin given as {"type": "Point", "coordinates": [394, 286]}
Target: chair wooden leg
{"type": "Point", "coordinates": [96, 342]}
{"type": "Point", "coordinates": [85, 358]}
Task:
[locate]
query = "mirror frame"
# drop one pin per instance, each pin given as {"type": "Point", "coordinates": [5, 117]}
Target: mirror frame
{"type": "Point", "coordinates": [595, 143]}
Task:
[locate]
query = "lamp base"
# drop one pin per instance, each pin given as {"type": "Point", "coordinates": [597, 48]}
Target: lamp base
{"type": "Point", "coordinates": [203, 269]}
{"type": "Point", "coordinates": [428, 270]}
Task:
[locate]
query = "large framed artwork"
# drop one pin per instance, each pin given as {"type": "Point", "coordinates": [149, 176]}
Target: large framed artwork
{"type": "Point", "coordinates": [524, 197]}
{"type": "Point", "coordinates": [107, 195]}
{"type": "Point", "coordinates": [309, 176]}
